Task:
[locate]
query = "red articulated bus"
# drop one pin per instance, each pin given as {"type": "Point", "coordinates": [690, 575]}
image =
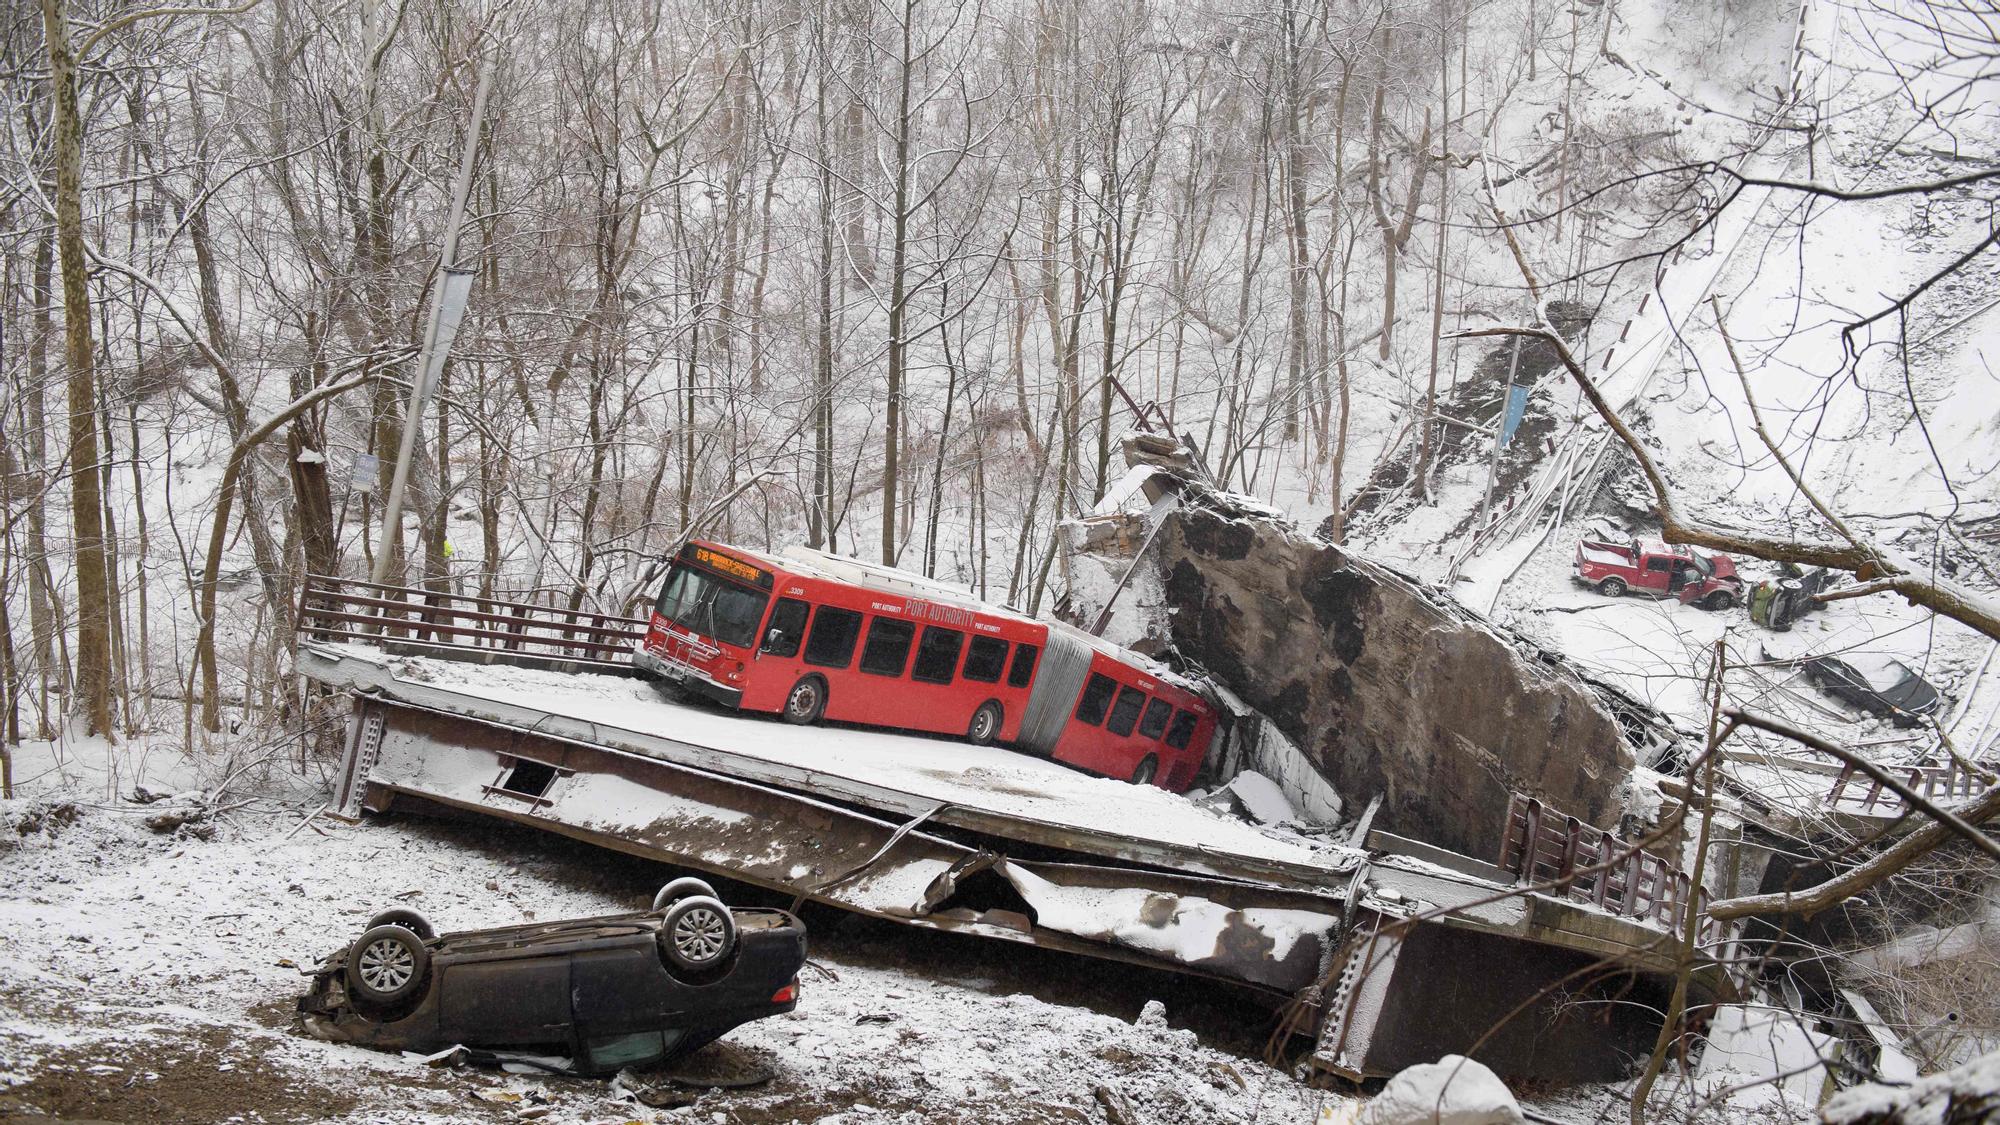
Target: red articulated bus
{"type": "Point", "coordinates": [814, 636]}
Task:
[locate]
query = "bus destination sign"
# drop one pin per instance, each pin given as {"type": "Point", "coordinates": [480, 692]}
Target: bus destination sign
{"type": "Point", "coordinates": [723, 564]}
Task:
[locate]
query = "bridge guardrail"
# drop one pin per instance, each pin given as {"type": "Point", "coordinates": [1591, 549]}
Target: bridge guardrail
{"type": "Point", "coordinates": [1937, 784]}
{"type": "Point", "coordinates": [467, 627]}
{"type": "Point", "coordinates": [1542, 845]}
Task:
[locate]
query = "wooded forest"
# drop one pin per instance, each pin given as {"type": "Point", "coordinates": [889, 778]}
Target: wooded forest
{"type": "Point", "coordinates": [889, 277]}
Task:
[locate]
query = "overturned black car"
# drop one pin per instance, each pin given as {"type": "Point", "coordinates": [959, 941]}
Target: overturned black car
{"type": "Point", "coordinates": [1880, 685]}
{"type": "Point", "coordinates": [603, 993]}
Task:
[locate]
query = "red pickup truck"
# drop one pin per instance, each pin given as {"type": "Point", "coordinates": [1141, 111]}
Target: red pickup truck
{"type": "Point", "coordinates": [1652, 567]}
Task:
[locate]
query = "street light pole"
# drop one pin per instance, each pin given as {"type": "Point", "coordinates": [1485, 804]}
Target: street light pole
{"type": "Point", "coordinates": [451, 289]}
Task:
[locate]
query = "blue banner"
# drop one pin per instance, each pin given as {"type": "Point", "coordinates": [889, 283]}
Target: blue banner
{"type": "Point", "coordinates": [1517, 406]}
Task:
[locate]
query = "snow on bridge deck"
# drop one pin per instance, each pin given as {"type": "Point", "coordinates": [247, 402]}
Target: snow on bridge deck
{"type": "Point", "coordinates": [983, 788]}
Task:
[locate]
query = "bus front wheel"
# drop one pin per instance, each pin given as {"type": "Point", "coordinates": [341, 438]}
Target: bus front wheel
{"type": "Point", "coordinates": [985, 726]}
{"type": "Point", "coordinates": [806, 702]}
{"type": "Point", "coordinates": [1146, 770]}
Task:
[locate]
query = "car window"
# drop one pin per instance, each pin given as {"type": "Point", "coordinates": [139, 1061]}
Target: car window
{"type": "Point", "coordinates": [1181, 730]}
{"type": "Point", "coordinates": [1125, 712]}
{"type": "Point", "coordinates": [1023, 671]}
{"type": "Point", "coordinates": [1659, 564]}
{"type": "Point", "coordinates": [937, 655]}
{"type": "Point", "coordinates": [787, 629]}
{"type": "Point", "coordinates": [985, 659]}
{"type": "Point", "coordinates": [617, 1051]}
{"type": "Point", "coordinates": [1096, 699]}
{"type": "Point", "coordinates": [831, 642]}
{"type": "Point", "coordinates": [1155, 719]}
{"type": "Point", "coordinates": [888, 647]}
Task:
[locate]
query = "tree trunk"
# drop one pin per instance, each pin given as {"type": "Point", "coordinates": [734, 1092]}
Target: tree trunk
{"type": "Point", "coordinates": [44, 608]}
{"type": "Point", "coordinates": [92, 698]}
{"type": "Point", "coordinates": [899, 256]}
{"type": "Point", "coordinates": [1420, 480]}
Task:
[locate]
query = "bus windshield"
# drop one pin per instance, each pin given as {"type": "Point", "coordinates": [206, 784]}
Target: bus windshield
{"type": "Point", "coordinates": [712, 606]}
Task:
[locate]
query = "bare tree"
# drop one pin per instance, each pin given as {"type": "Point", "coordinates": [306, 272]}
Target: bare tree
{"type": "Point", "coordinates": [93, 603]}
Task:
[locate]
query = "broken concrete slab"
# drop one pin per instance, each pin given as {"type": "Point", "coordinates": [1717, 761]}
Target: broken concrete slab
{"type": "Point", "coordinates": [1387, 686]}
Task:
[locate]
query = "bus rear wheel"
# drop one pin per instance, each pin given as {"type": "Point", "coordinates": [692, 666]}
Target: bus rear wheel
{"type": "Point", "coordinates": [806, 702]}
{"type": "Point", "coordinates": [1147, 769]}
{"type": "Point", "coordinates": [985, 726]}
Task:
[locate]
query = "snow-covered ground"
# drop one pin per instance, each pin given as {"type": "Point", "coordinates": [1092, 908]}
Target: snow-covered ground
{"type": "Point", "coordinates": [150, 975]}
{"type": "Point", "coordinates": [1893, 431]}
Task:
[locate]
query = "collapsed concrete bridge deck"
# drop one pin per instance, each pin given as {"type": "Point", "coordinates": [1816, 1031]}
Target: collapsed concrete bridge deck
{"type": "Point", "coordinates": [1400, 951]}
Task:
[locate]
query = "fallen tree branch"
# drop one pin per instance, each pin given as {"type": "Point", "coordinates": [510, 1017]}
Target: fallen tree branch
{"type": "Point", "coordinates": [1888, 862]}
{"type": "Point", "coordinates": [218, 535]}
{"type": "Point", "coordinates": [1867, 562]}
{"type": "Point", "coordinates": [1910, 797]}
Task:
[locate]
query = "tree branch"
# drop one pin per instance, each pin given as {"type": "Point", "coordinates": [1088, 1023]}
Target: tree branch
{"type": "Point", "coordinates": [1915, 801]}
{"type": "Point", "coordinates": [1890, 861]}
{"type": "Point", "coordinates": [1870, 564]}
{"type": "Point", "coordinates": [130, 18]}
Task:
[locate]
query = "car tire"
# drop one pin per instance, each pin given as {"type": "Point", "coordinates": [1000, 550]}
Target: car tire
{"type": "Point", "coordinates": [698, 934]}
{"type": "Point", "coordinates": [1147, 769]}
{"type": "Point", "coordinates": [1719, 601]}
{"type": "Point", "coordinates": [405, 917]}
{"type": "Point", "coordinates": [679, 889]}
{"type": "Point", "coordinates": [386, 965]}
{"type": "Point", "coordinates": [806, 702]}
{"type": "Point", "coordinates": [1613, 587]}
{"type": "Point", "coordinates": [985, 725]}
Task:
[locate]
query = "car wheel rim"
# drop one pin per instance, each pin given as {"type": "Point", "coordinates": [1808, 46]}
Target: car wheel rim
{"type": "Point", "coordinates": [982, 725]}
{"type": "Point", "coordinates": [387, 965]}
{"type": "Point", "coordinates": [699, 935]}
{"type": "Point", "coordinates": [802, 700]}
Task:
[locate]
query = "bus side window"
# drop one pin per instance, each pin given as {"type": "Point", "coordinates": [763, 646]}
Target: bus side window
{"type": "Point", "coordinates": [1126, 711]}
{"type": "Point", "coordinates": [937, 655]}
{"type": "Point", "coordinates": [1155, 720]}
{"type": "Point", "coordinates": [1182, 729]}
{"type": "Point", "coordinates": [787, 628]}
{"type": "Point", "coordinates": [985, 659]}
{"type": "Point", "coordinates": [888, 646]}
{"type": "Point", "coordinates": [834, 631]}
{"type": "Point", "coordinates": [1096, 699]}
{"type": "Point", "coordinates": [1023, 671]}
